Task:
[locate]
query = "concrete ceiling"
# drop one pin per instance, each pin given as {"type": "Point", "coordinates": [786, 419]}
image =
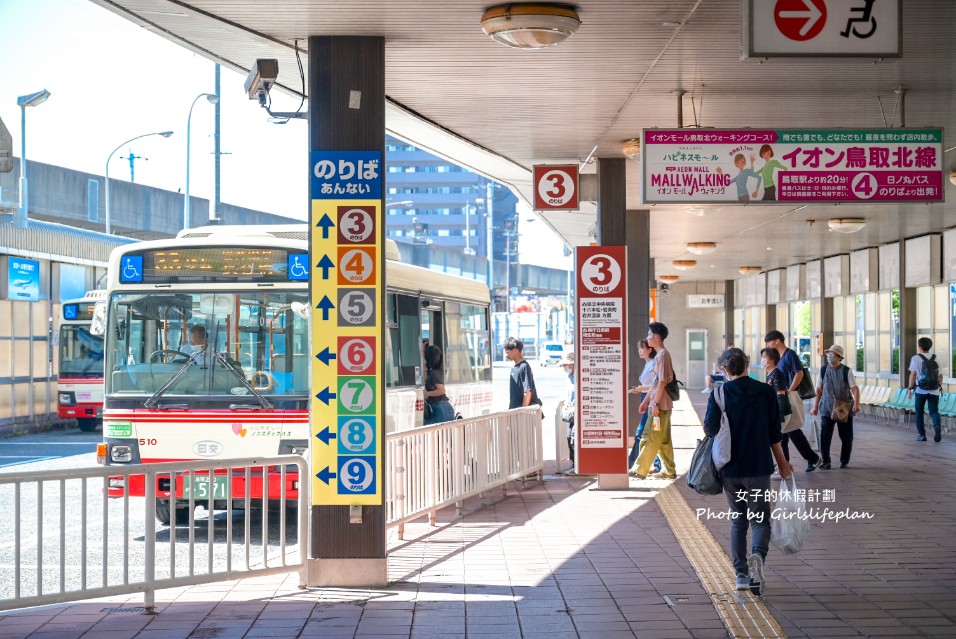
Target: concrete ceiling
{"type": "Point", "coordinates": [498, 111]}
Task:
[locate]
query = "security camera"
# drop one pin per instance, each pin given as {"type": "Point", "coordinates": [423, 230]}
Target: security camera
{"type": "Point", "coordinates": [261, 78]}
{"type": "Point", "coordinates": [665, 286]}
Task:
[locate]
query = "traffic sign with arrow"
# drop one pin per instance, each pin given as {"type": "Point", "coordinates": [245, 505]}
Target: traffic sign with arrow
{"type": "Point", "coordinates": [325, 356]}
{"type": "Point", "coordinates": [325, 305]}
{"type": "Point", "coordinates": [325, 264]}
{"type": "Point", "coordinates": [325, 395]}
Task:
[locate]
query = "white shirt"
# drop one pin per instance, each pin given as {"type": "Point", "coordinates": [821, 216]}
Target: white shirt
{"type": "Point", "coordinates": [647, 375]}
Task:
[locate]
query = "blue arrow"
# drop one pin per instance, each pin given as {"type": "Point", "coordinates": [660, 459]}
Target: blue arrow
{"type": "Point", "coordinates": [325, 435]}
{"type": "Point", "coordinates": [325, 224]}
{"type": "Point", "coordinates": [325, 475]}
{"type": "Point", "coordinates": [325, 305]}
{"type": "Point", "coordinates": [325, 356]}
{"type": "Point", "coordinates": [325, 395]}
{"type": "Point", "coordinates": [325, 264]}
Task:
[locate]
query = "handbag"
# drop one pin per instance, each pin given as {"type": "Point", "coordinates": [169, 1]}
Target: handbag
{"type": "Point", "coordinates": [703, 476]}
{"type": "Point", "coordinates": [789, 525]}
{"type": "Point", "coordinates": [798, 415]}
{"type": "Point", "coordinates": [673, 389]}
{"type": "Point", "coordinates": [840, 411]}
{"type": "Point", "coordinates": [721, 444]}
{"type": "Point", "coordinates": [806, 389]}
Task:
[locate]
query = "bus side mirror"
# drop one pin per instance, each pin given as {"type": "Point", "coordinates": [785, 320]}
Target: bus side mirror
{"type": "Point", "coordinates": [98, 322]}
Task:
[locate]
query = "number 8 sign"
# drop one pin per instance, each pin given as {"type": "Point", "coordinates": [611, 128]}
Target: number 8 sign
{"type": "Point", "coordinates": [556, 187]}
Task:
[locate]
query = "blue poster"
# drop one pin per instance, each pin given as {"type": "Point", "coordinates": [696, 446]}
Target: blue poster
{"type": "Point", "coordinates": [346, 175]}
{"type": "Point", "coordinates": [23, 280]}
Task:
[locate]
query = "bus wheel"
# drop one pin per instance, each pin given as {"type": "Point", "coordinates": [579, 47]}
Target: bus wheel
{"type": "Point", "coordinates": [163, 515]}
{"type": "Point", "coordinates": [86, 425]}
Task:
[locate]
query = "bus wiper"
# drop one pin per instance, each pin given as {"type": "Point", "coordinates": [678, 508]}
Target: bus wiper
{"type": "Point", "coordinates": [223, 358]}
{"type": "Point", "coordinates": [154, 398]}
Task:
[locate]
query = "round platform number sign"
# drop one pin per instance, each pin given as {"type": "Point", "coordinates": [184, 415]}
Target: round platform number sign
{"type": "Point", "coordinates": [355, 475]}
{"type": "Point", "coordinates": [357, 395]}
{"type": "Point", "coordinates": [556, 187]}
{"type": "Point", "coordinates": [601, 274]}
{"type": "Point", "coordinates": [356, 225]}
{"type": "Point", "coordinates": [356, 435]}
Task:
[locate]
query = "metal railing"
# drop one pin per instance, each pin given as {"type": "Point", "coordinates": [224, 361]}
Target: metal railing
{"type": "Point", "coordinates": [55, 552]}
{"type": "Point", "coordinates": [51, 556]}
{"type": "Point", "coordinates": [443, 464]}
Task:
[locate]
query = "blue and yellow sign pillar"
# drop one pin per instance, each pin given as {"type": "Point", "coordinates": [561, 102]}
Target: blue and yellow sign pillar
{"type": "Point", "coordinates": [347, 284]}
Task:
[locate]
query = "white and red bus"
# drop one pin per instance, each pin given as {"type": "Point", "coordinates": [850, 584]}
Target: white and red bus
{"type": "Point", "coordinates": [80, 353]}
{"type": "Point", "coordinates": [207, 350]}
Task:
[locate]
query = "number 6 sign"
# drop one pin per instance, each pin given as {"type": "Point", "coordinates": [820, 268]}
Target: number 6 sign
{"type": "Point", "coordinates": [556, 187]}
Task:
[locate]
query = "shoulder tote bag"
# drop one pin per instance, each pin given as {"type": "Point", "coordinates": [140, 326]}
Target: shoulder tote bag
{"type": "Point", "coordinates": [722, 447]}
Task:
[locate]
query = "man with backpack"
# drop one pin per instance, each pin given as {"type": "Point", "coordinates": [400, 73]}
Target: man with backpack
{"type": "Point", "coordinates": [522, 388]}
{"type": "Point", "coordinates": [656, 438]}
{"type": "Point", "coordinates": [926, 380]}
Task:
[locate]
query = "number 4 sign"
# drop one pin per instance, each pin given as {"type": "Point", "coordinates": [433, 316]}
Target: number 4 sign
{"type": "Point", "coordinates": [556, 187]}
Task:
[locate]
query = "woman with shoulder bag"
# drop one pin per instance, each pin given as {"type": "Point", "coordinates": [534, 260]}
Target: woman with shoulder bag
{"type": "Point", "coordinates": [438, 409]}
{"type": "Point", "coordinates": [837, 401]}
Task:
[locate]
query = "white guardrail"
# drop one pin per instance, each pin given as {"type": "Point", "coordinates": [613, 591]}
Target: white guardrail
{"type": "Point", "coordinates": [64, 555]}
{"type": "Point", "coordinates": [436, 466]}
{"type": "Point", "coordinates": [53, 551]}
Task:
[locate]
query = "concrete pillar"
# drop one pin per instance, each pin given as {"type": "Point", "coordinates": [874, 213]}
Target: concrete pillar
{"type": "Point", "coordinates": [908, 327]}
{"type": "Point", "coordinates": [728, 315]}
{"type": "Point", "coordinates": [637, 226]}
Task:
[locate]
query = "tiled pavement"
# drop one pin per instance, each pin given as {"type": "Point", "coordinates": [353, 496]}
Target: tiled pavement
{"type": "Point", "coordinates": [563, 560]}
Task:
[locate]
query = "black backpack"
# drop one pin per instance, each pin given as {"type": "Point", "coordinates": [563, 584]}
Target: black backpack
{"type": "Point", "coordinates": [928, 378]}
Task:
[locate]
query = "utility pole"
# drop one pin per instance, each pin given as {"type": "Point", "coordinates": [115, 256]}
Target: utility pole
{"type": "Point", "coordinates": [132, 157]}
{"type": "Point", "coordinates": [217, 153]}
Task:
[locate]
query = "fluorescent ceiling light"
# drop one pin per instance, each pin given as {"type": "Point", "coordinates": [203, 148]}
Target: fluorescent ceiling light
{"type": "Point", "coordinates": [749, 270]}
{"type": "Point", "coordinates": [632, 148]}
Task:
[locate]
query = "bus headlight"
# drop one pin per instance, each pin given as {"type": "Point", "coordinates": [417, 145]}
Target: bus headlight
{"type": "Point", "coordinates": [121, 454]}
{"type": "Point", "coordinates": [66, 399]}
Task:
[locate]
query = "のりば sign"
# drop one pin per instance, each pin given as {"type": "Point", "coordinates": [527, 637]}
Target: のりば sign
{"type": "Point", "coordinates": [761, 166]}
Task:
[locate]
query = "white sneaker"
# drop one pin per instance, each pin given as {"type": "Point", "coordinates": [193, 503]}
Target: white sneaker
{"type": "Point", "coordinates": [758, 583]}
{"type": "Point", "coordinates": [706, 390]}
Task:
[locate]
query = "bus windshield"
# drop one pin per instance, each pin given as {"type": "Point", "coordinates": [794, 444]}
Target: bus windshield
{"type": "Point", "coordinates": [81, 354]}
{"type": "Point", "coordinates": [219, 338]}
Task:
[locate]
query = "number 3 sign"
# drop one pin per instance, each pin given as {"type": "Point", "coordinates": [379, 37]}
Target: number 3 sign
{"type": "Point", "coordinates": [556, 187]}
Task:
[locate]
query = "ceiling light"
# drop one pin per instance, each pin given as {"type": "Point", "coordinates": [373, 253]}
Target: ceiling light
{"type": "Point", "coordinates": [846, 224]}
{"type": "Point", "coordinates": [952, 177]}
{"type": "Point", "coordinates": [683, 265]}
{"type": "Point", "coordinates": [632, 148]}
{"type": "Point", "coordinates": [695, 210]}
{"type": "Point", "coordinates": [530, 26]}
{"type": "Point", "coordinates": [701, 248]}
{"type": "Point", "coordinates": [749, 270]}
{"type": "Point", "coordinates": [670, 279]}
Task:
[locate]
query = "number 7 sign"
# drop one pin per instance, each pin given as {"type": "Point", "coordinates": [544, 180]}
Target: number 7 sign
{"type": "Point", "coordinates": [556, 187]}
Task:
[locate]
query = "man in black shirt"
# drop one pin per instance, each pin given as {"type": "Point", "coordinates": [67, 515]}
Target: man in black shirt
{"type": "Point", "coordinates": [523, 392]}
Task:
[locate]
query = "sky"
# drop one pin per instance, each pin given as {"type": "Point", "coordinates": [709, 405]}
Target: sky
{"type": "Point", "coordinates": [111, 80]}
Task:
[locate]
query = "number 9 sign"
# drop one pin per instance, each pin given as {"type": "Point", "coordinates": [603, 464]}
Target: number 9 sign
{"type": "Point", "coordinates": [556, 188]}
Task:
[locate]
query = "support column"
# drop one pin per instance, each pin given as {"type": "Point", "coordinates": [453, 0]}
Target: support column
{"type": "Point", "coordinates": [729, 335]}
{"type": "Point", "coordinates": [909, 331]}
{"type": "Point", "coordinates": [347, 113]}
{"type": "Point", "coordinates": [611, 231]}
{"type": "Point", "coordinates": [637, 235]}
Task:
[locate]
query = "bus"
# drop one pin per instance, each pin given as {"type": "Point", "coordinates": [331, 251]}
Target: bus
{"type": "Point", "coordinates": [80, 353]}
{"type": "Point", "coordinates": [207, 350]}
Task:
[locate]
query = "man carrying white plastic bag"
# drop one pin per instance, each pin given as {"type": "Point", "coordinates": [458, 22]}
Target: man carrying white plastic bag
{"type": "Point", "coordinates": [789, 525]}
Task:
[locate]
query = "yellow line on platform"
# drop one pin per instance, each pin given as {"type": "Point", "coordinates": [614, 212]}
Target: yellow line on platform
{"type": "Point", "coordinates": [743, 613]}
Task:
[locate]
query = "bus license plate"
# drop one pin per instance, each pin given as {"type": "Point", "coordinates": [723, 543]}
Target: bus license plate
{"type": "Point", "coordinates": [200, 487]}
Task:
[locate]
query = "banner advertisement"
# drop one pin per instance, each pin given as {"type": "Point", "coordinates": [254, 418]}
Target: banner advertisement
{"type": "Point", "coordinates": [771, 166]}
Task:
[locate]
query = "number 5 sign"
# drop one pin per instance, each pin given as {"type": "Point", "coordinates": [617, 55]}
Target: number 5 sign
{"type": "Point", "coordinates": [556, 187]}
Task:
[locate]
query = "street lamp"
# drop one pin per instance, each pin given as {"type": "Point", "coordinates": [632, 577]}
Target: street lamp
{"type": "Point", "coordinates": [24, 101]}
{"type": "Point", "coordinates": [213, 99]}
{"type": "Point", "coordinates": [106, 182]}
